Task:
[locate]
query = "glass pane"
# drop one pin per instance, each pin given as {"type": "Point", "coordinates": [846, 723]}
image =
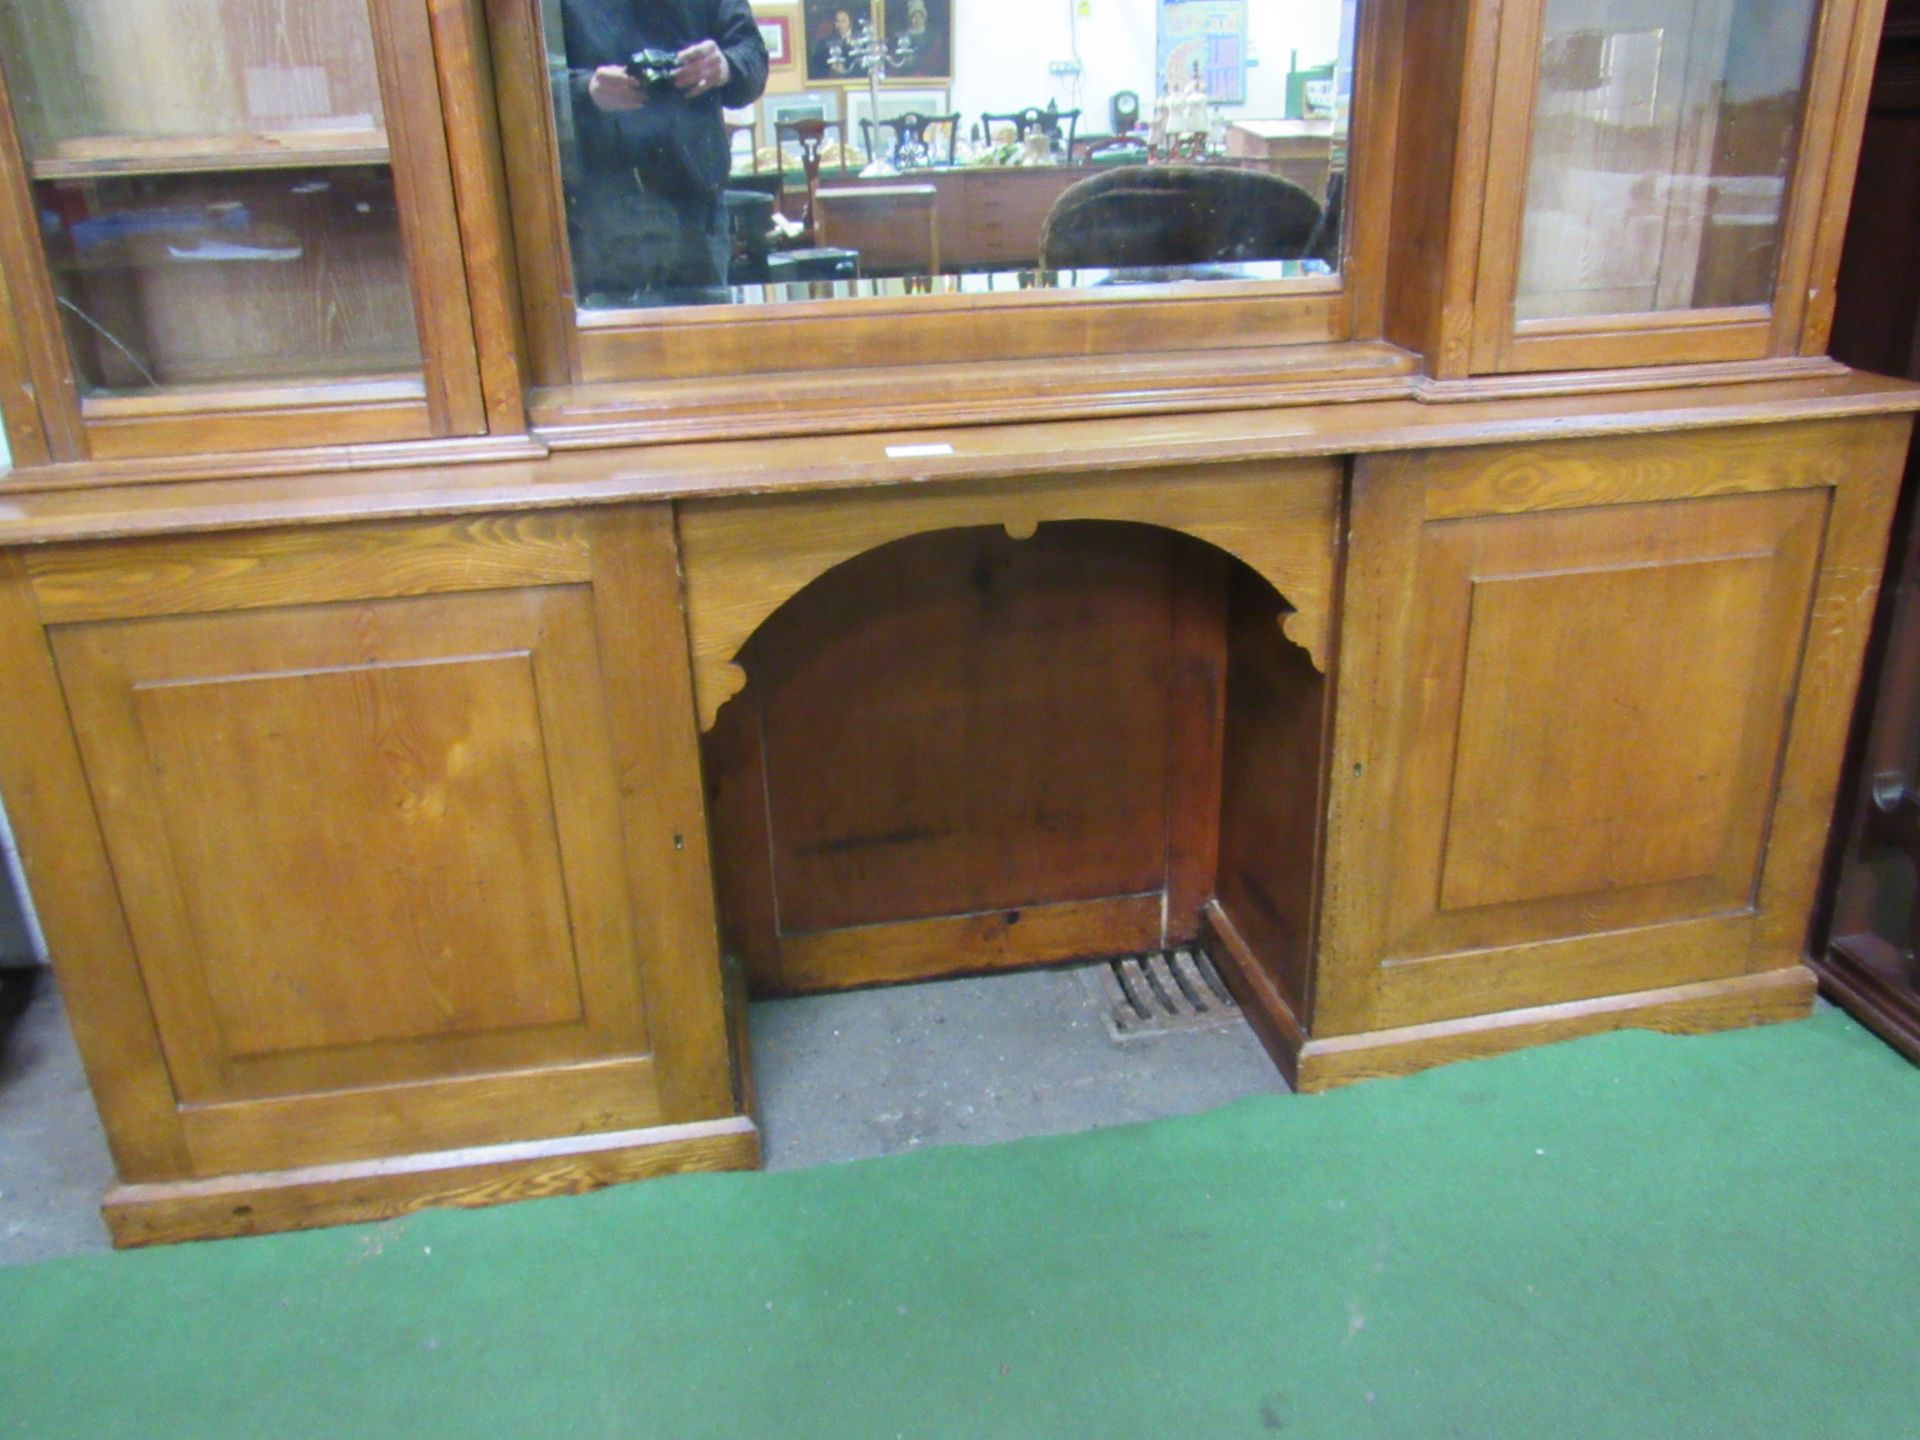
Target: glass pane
{"type": "Point", "coordinates": [818, 149]}
{"type": "Point", "coordinates": [213, 187]}
{"type": "Point", "coordinates": [221, 277]}
{"type": "Point", "coordinates": [1663, 139]}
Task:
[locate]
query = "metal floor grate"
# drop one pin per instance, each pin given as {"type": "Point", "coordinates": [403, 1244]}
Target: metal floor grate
{"type": "Point", "coordinates": [1156, 994]}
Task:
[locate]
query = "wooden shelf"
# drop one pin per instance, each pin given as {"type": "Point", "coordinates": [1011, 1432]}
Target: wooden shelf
{"type": "Point", "coordinates": [278, 150]}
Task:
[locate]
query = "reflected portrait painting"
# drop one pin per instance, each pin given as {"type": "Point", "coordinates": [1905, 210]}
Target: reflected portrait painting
{"type": "Point", "coordinates": [921, 32]}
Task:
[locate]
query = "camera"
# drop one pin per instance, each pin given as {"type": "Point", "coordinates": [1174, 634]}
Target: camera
{"type": "Point", "coordinates": [654, 68]}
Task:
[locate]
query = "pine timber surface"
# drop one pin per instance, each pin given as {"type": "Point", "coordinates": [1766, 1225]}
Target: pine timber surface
{"type": "Point", "coordinates": [32, 515]}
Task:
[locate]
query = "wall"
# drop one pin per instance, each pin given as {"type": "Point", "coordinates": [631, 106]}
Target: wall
{"type": "Point", "coordinates": [1002, 49]}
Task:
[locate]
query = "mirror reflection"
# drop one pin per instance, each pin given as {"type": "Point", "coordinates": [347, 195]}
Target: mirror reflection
{"type": "Point", "coordinates": [722, 152]}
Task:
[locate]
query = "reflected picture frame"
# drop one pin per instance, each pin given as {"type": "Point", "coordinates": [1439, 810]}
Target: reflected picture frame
{"type": "Point", "coordinates": [776, 33]}
{"type": "Point", "coordinates": [800, 105]}
{"type": "Point", "coordinates": [927, 28]}
{"type": "Point", "coordinates": [819, 26]}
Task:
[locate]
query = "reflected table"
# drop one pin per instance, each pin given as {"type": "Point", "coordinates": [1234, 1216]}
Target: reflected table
{"type": "Point", "coordinates": [867, 219]}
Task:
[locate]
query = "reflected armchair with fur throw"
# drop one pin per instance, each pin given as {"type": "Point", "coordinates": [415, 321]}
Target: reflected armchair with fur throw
{"type": "Point", "coordinates": [1147, 216]}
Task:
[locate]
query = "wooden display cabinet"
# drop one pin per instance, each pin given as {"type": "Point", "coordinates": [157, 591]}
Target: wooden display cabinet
{"type": "Point", "coordinates": [234, 226]}
{"type": "Point", "coordinates": [432, 704]}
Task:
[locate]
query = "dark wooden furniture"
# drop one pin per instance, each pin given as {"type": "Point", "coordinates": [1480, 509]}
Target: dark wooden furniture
{"type": "Point", "coordinates": [1868, 958]}
{"type": "Point", "coordinates": [1056, 124]}
{"type": "Point", "coordinates": [880, 222]}
{"type": "Point", "coordinates": [989, 217]}
{"type": "Point", "coordinates": [809, 137]}
{"type": "Point", "coordinates": [923, 129]}
{"type": "Point", "coordinates": [413, 765]}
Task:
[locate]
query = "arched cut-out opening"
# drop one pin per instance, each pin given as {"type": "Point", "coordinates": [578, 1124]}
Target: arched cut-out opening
{"type": "Point", "coordinates": [962, 752]}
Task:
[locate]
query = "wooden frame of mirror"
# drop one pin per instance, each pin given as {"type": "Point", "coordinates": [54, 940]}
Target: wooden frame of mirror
{"type": "Point", "coordinates": [676, 373]}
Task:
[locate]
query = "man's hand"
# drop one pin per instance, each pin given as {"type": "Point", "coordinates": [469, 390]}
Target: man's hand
{"type": "Point", "coordinates": [702, 68]}
{"type": "Point", "coordinates": [612, 88]}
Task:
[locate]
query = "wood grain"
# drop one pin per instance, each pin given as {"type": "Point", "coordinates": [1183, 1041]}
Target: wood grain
{"type": "Point", "coordinates": [1763, 999]}
{"type": "Point", "coordinates": [1253, 987]}
{"type": "Point", "coordinates": [19, 408]}
{"type": "Point", "coordinates": [477, 163]}
{"type": "Point", "coordinates": [945, 392]}
{"type": "Point", "coordinates": [950, 945]}
{"type": "Point", "coordinates": [429, 216]}
{"type": "Point", "coordinates": [1483, 908]}
{"type": "Point", "coordinates": [72, 511]}
{"type": "Point", "coordinates": [324, 1127]}
{"type": "Point", "coordinates": [963, 722]}
{"type": "Point", "coordinates": [308, 567]}
{"type": "Point", "coordinates": [1196, 698]}
{"type": "Point", "coordinates": [961, 725]}
{"type": "Point", "coordinates": [65, 858]}
{"type": "Point", "coordinates": [745, 559]}
{"type": "Point", "coordinates": [264, 1202]}
{"type": "Point", "coordinates": [360, 935]}
{"type": "Point", "coordinates": [1272, 798]}
{"type": "Point", "coordinates": [642, 631]}
{"type": "Point", "coordinates": [1843, 603]}
{"type": "Point", "coordinates": [39, 338]}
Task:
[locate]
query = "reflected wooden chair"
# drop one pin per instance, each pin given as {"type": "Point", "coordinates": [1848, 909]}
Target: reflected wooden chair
{"type": "Point", "coordinates": [1146, 216]}
{"type": "Point", "coordinates": [751, 131]}
{"type": "Point", "coordinates": [1049, 121]}
{"type": "Point", "coordinates": [922, 128]}
{"type": "Point", "coordinates": [809, 137]}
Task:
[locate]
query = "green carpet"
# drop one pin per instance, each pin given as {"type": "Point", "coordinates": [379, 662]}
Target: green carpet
{"type": "Point", "coordinates": [1628, 1235]}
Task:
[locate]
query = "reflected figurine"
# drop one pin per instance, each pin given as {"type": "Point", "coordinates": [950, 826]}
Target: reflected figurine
{"type": "Point", "coordinates": [648, 219]}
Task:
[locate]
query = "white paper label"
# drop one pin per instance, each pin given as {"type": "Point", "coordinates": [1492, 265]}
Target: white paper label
{"type": "Point", "coordinates": [916, 452]}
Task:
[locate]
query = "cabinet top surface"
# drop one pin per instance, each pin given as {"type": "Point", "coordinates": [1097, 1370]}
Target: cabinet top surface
{"type": "Point", "coordinates": [35, 510]}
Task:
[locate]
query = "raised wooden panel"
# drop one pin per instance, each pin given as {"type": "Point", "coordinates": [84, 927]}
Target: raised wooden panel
{"type": "Point", "coordinates": [1602, 702]}
{"type": "Point", "coordinates": [1546, 805]}
{"type": "Point", "coordinates": [410, 754]}
{"type": "Point", "coordinates": [368, 846]}
{"type": "Point", "coordinates": [1572, 743]}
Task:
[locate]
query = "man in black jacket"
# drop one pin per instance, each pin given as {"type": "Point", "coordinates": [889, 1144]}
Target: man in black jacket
{"type": "Point", "coordinates": [646, 217]}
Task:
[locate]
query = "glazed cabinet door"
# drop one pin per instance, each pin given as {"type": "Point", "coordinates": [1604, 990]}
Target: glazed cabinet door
{"type": "Point", "coordinates": [230, 225]}
{"type": "Point", "coordinates": [1666, 180]}
{"type": "Point", "coordinates": [1591, 702]}
{"type": "Point", "coordinates": [404, 821]}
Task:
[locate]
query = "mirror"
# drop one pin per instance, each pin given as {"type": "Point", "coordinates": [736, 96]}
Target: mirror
{"type": "Point", "coordinates": [793, 150]}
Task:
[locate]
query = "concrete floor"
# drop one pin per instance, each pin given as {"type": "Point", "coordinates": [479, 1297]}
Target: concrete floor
{"type": "Point", "coordinates": [875, 1072]}
{"type": "Point", "coordinates": [53, 1158]}
{"type": "Point", "coordinates": [840, 1077]}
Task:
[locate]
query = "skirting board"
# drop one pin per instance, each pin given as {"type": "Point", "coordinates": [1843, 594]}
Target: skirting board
{"type": "Point", "coordinates": [1322, 1064]}
{"type": "Point", "coordinates": [259, 1203]}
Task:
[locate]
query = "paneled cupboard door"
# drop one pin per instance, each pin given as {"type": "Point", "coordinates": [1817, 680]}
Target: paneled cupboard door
{"type": "Point", "coordinates": [1591, 702]}
{"type": "Point", "coordinates": [404, 820]}
{"type": "Point", "coordinates": [1661, 177]}
{"type": "Point", "coordinates": [232, 225]}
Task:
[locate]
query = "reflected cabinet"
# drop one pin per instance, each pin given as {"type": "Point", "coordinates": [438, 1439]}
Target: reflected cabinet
{"type": "Point", "coordinates": [530, 529]}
